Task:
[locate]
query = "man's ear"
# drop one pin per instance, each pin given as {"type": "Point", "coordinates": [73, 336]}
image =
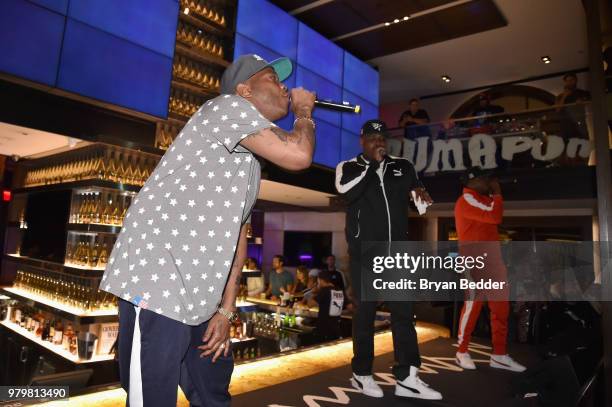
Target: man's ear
{"type": "Point", "coordinates": [244, 90]}
{"type": "Point", "coordinates": [361, 141]}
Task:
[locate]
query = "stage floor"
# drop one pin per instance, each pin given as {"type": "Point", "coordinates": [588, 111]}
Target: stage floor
{"type": "Point", "coordinates": [483, 387]}
{"type": "Point", "coordinates": [261, 374]}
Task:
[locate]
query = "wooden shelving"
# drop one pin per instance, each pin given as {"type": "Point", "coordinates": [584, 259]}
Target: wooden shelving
{"type": "Point", "coordinates": [206, 25]}
{"type": "Point", "coordinates": [191, 52]}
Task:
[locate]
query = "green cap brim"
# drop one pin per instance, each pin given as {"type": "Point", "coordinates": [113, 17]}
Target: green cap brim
{"type": "Point", "coordinates": [283, 68]}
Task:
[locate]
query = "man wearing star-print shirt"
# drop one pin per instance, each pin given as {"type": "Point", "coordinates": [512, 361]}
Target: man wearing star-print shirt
{"type": "Point", "coordinates": [176, 265]}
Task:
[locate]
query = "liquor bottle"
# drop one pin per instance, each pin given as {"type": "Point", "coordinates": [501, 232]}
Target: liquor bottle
{"type": "Point", "coordinates": [46, 329]}
{"type": "Point", "coordinates": [51, 333]}
{"type": "Point", "coordinates": [102, 256]}
{"type": "Point", "coordinates": [38, 327]}
{"type": "Point", "coordinates": [29, 322]}
{"type": "Point", "coordinates": [17, 315]}
{"type": "Point", "coordinates": [115, 217]}
{"type": "Point", "coordinates": [73, 344]}
{"type": "Point", "coordinates": [67, 337]}
{"type": "Point", "coordinates": [107, 209]}
{"type": "Point", "coordinates": [96, 209]}
{"type": "Point", "coordinates": [94, 257]}
{"type": "Point", "coordinates": [59, 334]}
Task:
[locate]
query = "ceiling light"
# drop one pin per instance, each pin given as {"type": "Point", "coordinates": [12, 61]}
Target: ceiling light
{"type": "Point", "coordinates": [406, 18]}
{"type": "Point", "coordinates": [546, 59]}
{"type": "Point", "coordinates": [396, 20]}
{"type": "Point", "coordinates": [387, 24]}
{"type": "Point", "coordinates": [186, 11]}
{"type": "Point", "coordinates": [446, 78]}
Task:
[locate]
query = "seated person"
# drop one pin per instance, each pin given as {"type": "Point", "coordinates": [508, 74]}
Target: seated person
{"type": "Point", "coordinates": [330, 302]}
{"type": "Point", "coordinates": [301, 285]}
{"type": "Point", "coordinates": [255, 286]}
{"type": "Point", "coordinates": [312, 277]}
{"type": "Point", "coordinates": [250, 264]}
{"type": "Point", "coordinates": [281, 281]}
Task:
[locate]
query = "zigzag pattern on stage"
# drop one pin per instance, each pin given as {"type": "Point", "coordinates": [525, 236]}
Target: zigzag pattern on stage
{"type": "Point", "coordinates": [429, 365]}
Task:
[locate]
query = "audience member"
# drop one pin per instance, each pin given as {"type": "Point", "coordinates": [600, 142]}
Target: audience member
{"type": "Point", "coordinates": [281, 280]}
{"type": "Point", "coordinates": [414, 120]}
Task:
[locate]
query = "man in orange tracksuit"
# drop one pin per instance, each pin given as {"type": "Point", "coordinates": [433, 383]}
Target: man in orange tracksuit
{"type": "Point", "coordinates": [478, 211]}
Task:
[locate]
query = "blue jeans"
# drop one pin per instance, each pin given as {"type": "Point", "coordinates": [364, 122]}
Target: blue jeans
{"type": "Point", "coordinates": [168, 358]}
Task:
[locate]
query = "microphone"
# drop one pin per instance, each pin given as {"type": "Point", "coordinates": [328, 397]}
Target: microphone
{"type": "Point", "coordinates": [338, 106]}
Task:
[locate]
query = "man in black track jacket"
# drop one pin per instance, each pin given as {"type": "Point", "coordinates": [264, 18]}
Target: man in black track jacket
{"type": "Point", "coordinates": [377, 189]}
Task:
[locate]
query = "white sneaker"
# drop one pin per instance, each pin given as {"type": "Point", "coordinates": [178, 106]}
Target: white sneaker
{"type": "Point", "coordinates": [506, 362]}
{"type": "Point", "coordinates": [367, 385]}
{"type": "Point", "coordinates": [465, 361]}
{"type": "Point", "coordinates": [416, 388]}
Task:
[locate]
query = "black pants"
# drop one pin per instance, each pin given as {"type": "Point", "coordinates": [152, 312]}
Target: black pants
{"type": "Point", "coordinates": [405, 345]}
{"type": "Point", "coordinates": [168, 358]}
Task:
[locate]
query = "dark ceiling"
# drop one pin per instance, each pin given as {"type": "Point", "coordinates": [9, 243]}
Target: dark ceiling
{"type": "Point", "coordinates": [426, 26]}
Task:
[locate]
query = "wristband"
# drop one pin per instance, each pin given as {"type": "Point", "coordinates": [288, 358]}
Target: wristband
{"type": "Point", "coordinates": [231, 316]}
{"type": "Point", "coordinates": [305, 118]}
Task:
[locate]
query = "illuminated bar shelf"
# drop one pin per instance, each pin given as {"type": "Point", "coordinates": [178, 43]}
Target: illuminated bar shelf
{"type": "Point", "coordinates": [77, 315]}
{"type": "Point", "coordinates": [94, 227]}
{"type": "Point", "coordinates": [68, 268]}
{"type": "Point", "coordinates": [193, 88]}
{"type": "Point", "coordinates": [208, 26]}
{"type": "Point", "coordinates": [192, 53]}
{"type": "Point", "coordinates": [79, 184]}
{"type": "Point", "coordinates": [58, 350]}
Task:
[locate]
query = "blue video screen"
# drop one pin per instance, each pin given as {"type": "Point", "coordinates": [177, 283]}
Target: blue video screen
{"type": "Point", "coordinates": [353, 122]}
{"type": "Point", "coordinates": [90, 66]}
{"type": "Point", "coordinates": [327, 151]}
{"type": "Point", "coordinates": [324, 89]}
{"type": "Point", "coordinates": [350, 146]}
{"type": "Point", "coordinates": [360, 78]}
{"type": "Point", "coordinates": [116, 51]}
{"type": "Point", "coordinates": [320, 55]}
{"type": "Point", "coordinates": [145, 25]}
{"type": "Point", "coordinates": [59, 6]}
{"type": "Point", "coordinates": [31, 50]}
{"type": "Point", "coordinates": [269, 26]}
{"type": "Point", "coordinates": [319, 65]}
{"type": "Point", "coordinates": [244, 45]}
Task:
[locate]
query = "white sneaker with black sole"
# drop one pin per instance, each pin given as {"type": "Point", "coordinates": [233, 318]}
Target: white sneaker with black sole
{"type": "Point", "coordinates": [367, 385]}
{"type": "Point", "coordinates": [506, 362]}
{"type": "Point", "coordinates": [465, 361]}
{"type": "Point", "coordinates": [416, 388]}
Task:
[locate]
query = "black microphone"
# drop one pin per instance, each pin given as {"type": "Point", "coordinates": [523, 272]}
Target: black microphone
{"type": "Point", "coordinates": [338, 106]}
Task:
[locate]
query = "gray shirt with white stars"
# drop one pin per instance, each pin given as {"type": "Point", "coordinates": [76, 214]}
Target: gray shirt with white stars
{"type": "Point", "coordinates": [179, 236]}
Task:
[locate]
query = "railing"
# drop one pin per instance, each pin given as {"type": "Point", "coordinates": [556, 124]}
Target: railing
{"type": "Point", "coordinates": [550, 137]}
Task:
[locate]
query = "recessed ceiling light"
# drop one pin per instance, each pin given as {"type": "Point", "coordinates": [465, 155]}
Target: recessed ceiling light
{"type": "Point", "coordinates": [396, 20]}
{"type": "Point", "coordinates": [406, 18]}
{"type": "Point", "coordinates": [446, 78]}
{"type": "Point", "coordinates": [186, 11]}
{"type": "Point", "coordinates": [546, 59]}
{"type": "Point", "coordinates": [387, 24]}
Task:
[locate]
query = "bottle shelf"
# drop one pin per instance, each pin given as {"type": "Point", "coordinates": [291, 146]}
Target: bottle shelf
{"type": "Point", "coordinates": [208, 26]}
{"type": "Point", "coordinates": [191, 52]}
{"type": "Point", "coordinates": [78, 271]}
{"type": "Point", "coordinates": [79, 184]}
{"type": "Point", "coordinates": [94, 227]}
{"type": "Point", "coordinates": [77, 315]}
{"type": "Point", "coordinates": [193, 88]}
{"type": "Point", "coordinates": [57, 349]}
